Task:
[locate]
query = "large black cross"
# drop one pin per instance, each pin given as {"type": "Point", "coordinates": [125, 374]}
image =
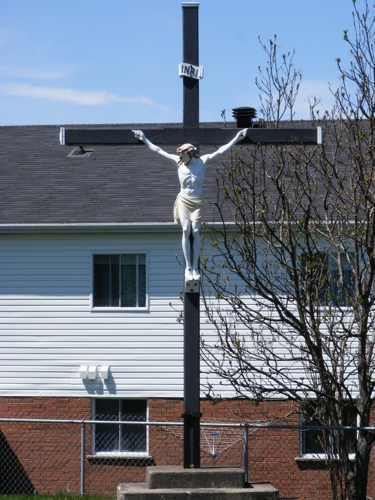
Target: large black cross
{"type": "Point", "coordinates": [193, 133]}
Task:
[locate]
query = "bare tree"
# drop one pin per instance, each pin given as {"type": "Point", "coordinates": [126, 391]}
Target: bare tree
{"type": "Point", "coordinates": [290, 289]}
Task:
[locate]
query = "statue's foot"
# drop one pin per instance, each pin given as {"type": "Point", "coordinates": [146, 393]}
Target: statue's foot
{"type": "Point", "coordinates": [196, 275]}
{"type": "Point", "coordinates": [188, 274]}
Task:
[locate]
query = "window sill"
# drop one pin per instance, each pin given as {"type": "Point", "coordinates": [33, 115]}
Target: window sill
{"type": "Point", "coordinates": [311, 458]}
{"type": "Point", "coordinates": [318, 457]}
{"type": "Point", "coordinates": [128, 459]}
{"type": "Point", "coordinates": [119, 309]}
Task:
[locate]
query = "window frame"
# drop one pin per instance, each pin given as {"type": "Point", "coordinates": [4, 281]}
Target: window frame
{"type": "Point", "coordinates": [331, 274]}
{"type": "Point", "coordinates": [118, 453]}
{"type": "Point", "coordinates": [119, 309]}
{"type": "Point", "coordinates": [303, 455]}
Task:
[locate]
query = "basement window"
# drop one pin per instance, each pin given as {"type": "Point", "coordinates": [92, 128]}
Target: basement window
{"type": "Point", "coordinates": [127, 439]}
{"type": "Point", "coordinates": [314, 441]}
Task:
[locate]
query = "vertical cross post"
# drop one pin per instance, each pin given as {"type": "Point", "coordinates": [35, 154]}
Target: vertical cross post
{"type": "Point", "coordinates": [191, 413]}
{"type": "Point", "coordinates": [191, 56]}
{"type": "Point", "coordinates": [191, 377]}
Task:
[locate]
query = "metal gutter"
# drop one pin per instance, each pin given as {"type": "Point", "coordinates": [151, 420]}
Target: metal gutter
{"type": "Point", "coordinates": [90, 228]}
{"type": "Point", "coordinates": [166, 227]}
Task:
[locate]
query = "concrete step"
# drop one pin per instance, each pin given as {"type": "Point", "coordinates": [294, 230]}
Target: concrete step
{"type": "Point", "coordinates": [140, 491]}
{"type": "Point", "coordinates": [165, 477]}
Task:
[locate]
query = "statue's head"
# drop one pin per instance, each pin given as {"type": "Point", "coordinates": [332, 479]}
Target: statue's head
{"type": "Point", "coordinates": [187, 149]}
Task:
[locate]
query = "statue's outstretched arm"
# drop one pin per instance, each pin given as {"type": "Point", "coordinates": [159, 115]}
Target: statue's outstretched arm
{"type": "Point", "coordinates": [141, 137]}
{"type": "Point", "coordinates": [223, 149]}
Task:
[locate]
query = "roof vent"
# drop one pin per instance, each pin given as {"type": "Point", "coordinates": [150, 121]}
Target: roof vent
{"type": "Point", "coordinates": [79, 152]}
{"type": "Point", "coordinates": [244, 116]}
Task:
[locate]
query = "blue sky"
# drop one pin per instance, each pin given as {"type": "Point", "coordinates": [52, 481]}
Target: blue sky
{"type": "Point", "coordinates": [116, 61]}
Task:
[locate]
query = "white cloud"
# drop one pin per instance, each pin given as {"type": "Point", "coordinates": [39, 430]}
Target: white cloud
{"type": "Point", "coordinates": [79, 97]}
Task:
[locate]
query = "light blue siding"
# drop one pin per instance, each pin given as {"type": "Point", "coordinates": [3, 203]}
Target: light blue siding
{"type": "Point", "coordinates": [49, 329]}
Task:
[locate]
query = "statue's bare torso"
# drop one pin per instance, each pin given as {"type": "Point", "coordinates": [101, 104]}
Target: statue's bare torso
{"type": "Point", "coordinates": [191, 177]}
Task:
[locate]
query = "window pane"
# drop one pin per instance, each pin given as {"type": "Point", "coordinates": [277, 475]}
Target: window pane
{"type": "Point", "coordinates": [351, 420]}
{"type": "Point", "coordinates": [141, 281]}
{"type": "Point", "coordinates": [106, 280]}
{"type": "Point", "coordinates": [312, 439]}
{"type": "Point", "coordinates": [101, 280]}
{"type": "Point", "coordinates": [128, 281]}
{"type": "Point", "coordinates": [133, 437]}
{"type": "Point", "coordinates": [342, 292]}
{"type": "Point", "coordinates": [314, 276]}
{"type": "Point", "coordinates": [133, 409]}
{"type": "Point", "coordinates": [115, 281]}
{"type": "Point", "coordinates": [119, 281]}
{"type": "Point", "coordinates": [336, 289]}
{"type": "Point", "coordinates": [107, 437]}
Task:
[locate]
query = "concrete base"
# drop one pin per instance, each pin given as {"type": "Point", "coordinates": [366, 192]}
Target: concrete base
{"type": "Point", "coordinates": [206, 477]}
{"type": "Point", "coordinates": [139, 491]}
{"type": "Point", "coordinates": [207, 483]}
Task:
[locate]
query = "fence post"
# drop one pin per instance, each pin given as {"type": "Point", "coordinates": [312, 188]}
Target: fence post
{"type": "Point", "coordinates": [83, 433]}
{"type": "Point", "coordinates": [246, 452]}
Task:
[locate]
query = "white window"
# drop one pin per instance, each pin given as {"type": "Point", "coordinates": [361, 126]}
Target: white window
{"type": "Point", "coordinates": [120, 281]}
{"type": "Point", "coordinates": [125, 439]}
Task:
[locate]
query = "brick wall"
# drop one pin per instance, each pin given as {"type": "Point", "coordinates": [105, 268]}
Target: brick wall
{"type": "Point", "coordinates": [44, 457]}
{"type": "Point", "coordinates": [47, 408]}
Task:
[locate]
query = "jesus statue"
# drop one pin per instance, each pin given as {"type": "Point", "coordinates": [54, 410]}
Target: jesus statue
{"type": "Point", "coordinates": [188, 208]}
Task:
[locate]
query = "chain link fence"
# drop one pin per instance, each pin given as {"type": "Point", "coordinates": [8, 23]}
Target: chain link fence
{"type": "Point", "coordinates": [94, 457]}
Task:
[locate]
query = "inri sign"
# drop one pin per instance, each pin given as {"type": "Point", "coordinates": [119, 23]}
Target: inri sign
{"type": "Point", "coordinates": [190, 71]}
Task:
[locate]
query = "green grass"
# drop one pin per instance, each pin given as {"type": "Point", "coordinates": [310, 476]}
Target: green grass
{"type": "Point", "coordinates": [56, 496]}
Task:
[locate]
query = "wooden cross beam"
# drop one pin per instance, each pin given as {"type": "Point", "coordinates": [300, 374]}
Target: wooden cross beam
{"type": "Point", "coordinates": [196, 136]}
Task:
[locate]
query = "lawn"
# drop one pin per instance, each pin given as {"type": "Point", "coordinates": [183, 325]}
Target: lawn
{"type": "Point", "coordinates": [57, 496]}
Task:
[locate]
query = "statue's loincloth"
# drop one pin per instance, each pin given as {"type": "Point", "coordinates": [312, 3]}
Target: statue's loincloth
{"type": "Point", "coordinates": [190, 208]}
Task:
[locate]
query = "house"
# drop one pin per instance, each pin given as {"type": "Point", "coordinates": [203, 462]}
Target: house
{"type": "Point", "coordinates": [90, 280]}
{"type": "Point", "coordinates": [75, 226]}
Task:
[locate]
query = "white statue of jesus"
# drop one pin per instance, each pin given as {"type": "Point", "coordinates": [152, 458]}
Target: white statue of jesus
{"type": "Point", "coordinates": [188, 208]}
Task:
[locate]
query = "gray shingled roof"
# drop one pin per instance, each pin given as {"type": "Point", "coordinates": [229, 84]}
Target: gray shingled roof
{"type": "Point", "coordinates": [40, 184]}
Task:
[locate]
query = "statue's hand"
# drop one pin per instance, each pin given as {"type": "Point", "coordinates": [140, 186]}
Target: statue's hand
{"type": "Point", "coordinates": [242, 134]}
{"type": "Point", "coordinates": [139, 135]}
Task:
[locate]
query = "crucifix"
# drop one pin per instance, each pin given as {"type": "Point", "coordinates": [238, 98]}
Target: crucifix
{"type": "Point", "coordinates": [188, 164]}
